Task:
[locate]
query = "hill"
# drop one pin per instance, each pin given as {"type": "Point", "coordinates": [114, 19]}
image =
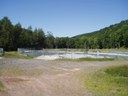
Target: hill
{"type": "Point", "coordinates": [112, 28]}
{"type": "Point", "coordinates": [114, 36]}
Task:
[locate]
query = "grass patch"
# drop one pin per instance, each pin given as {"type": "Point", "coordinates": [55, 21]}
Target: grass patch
{"type": "Point", "coordinates": [13, 71]}
{"type": "Point", "coordinates": [15, 55]}
{"type": "Point", "coordinates": [112, 81]}
{"type": "Point", "coordinates": [86, 59]}
{"type": "Point", "coordinates": [96, 59]}
{"type": "Point", "coordinates": [66, 59]}
{"type": "Point", "coordinates": [1, 87]}
{"type": "Point", "coordinates": [118, 71]}
{"type": "Point", "coordinates": [3, 90]}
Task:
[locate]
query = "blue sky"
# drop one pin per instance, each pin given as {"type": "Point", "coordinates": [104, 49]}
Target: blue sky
{"type": "Point", "coordinates": [65, 17]}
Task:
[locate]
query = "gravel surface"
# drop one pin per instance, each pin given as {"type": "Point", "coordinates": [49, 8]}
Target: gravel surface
{"type": "Point", "coordinates": [30, 77]}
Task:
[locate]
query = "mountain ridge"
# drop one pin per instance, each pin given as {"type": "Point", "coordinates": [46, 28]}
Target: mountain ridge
{"type": "Point", "coordinates": [96, 32]}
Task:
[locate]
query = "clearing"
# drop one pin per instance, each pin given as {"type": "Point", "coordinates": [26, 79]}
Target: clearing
{"type": "Point", "coordinates": [30, 77]}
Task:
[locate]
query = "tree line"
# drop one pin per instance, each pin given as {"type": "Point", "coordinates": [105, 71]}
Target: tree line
{"type": "Point", "coordinates": [15, 36]}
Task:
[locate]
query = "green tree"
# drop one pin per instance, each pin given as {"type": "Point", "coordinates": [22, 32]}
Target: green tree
{"type": "Point", "coordinates": [70, 43]}
{"type": "Point", "coordinates": [17, 29]}
{"type": "Point", "coordinates": [6, 34]}
{"type": "Point", "coordinates": [50, 40]}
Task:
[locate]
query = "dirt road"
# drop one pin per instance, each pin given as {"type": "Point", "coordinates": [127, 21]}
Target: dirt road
{"type": "Point", "coordinates": [22, 77]}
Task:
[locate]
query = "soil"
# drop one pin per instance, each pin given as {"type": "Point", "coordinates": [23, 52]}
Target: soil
{"type": "Point", "coordinates": [58, 78]}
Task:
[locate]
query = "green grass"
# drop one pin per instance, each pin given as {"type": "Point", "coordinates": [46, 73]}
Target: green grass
{"type": "Point", "coordinates": [86, 59]}
{"type": "Point", "coordinates": [112, 81]}
{"type": "Point", "coordinates": [118, 71]}
{"type": "Point", "coordinates": [15, 55]}
{"type": "Point", "coordinates": [96, 59]}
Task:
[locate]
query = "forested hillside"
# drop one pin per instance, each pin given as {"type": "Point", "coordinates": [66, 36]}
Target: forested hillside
{"type": "Point", "coordinates": [15, 36]}
{"type": "Point", "coordinates": [114, 36]}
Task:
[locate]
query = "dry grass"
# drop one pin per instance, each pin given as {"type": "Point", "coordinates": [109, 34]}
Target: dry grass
{"type": "Point", "coordinates": [13, 71]}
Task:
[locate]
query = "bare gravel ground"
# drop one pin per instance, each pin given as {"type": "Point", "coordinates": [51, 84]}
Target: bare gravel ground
{"type": "Point", "coordinates": [22, 77]}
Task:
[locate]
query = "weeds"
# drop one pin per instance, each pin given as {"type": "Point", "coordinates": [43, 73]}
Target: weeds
{"type": "Point", "coordinates": [118, 71]}
{"type": "Point", "coordinates": [112, 81]}
{"type": "Point", "coordinates": [15, 55]}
